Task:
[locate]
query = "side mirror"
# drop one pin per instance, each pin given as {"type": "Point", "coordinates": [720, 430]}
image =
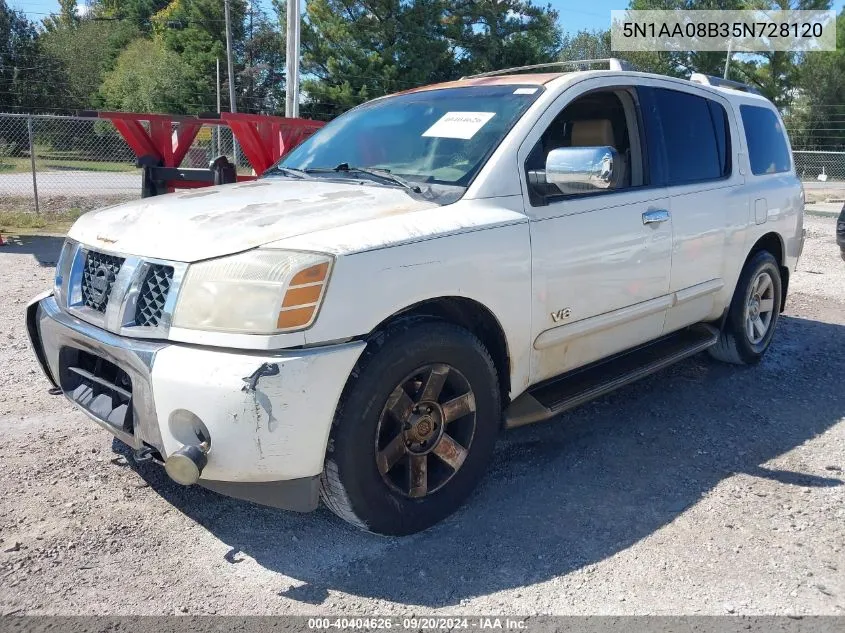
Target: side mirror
{"type": "Point", "coordinates": [583, 169]}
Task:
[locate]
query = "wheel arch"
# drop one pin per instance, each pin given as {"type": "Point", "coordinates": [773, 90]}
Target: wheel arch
{"type": "Point", "coordinates": [470, 315]}
{"type": "Point", "coordinates": [774, 244]}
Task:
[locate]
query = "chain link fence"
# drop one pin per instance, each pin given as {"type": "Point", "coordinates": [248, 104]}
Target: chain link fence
{"type": "Point", "coordinates": [820, 165]}
{"type": "Point", "coordinates": [54, 164]}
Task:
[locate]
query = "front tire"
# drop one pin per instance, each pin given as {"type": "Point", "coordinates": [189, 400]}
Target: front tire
{"type": "Point", "coordinates": [753, 314]}
{"type": "Point", "coordinates": [415, 428]}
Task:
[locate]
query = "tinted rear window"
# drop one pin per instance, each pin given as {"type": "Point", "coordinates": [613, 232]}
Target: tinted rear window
{"type": "Point", "coordinates": [767, 148]}
{"type": "Point", "coordinates": [723, 135]}
{"type": "Point", "coordinates": [695, 151]}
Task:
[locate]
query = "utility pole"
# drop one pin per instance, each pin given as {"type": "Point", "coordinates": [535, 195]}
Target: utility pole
{"type": "Point", "coordinates": [232, 106]}
{"type": "Point", "coordinates": [292, 61]}
{"type": "Point", "coordinates": [727, 60]}
{"type": "Point", "coordinates": [217, 128]}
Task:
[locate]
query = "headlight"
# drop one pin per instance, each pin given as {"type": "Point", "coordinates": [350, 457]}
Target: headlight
{"type": "Point", "coordinates": [263, 291]}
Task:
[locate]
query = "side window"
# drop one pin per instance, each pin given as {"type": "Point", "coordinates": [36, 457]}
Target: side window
{"type": "Point", "coordinates": [767, 148]}
{"type": "Point", "coordinates": [597, 119]}
{"type": "Point", "coordinates": [723, 135]}
{"type": "Point", "coordinates": [696, 137]}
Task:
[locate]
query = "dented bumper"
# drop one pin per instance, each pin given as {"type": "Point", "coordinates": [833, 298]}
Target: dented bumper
{"type": "Point", "coordinates": [267, 416]}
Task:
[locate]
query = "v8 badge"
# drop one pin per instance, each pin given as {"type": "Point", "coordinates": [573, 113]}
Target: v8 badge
{"type": "Point", "coordinates": [560, 315]}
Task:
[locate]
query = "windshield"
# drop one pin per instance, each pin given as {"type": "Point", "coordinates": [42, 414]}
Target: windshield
{"type": "Point", "coordinates": [434, 136]}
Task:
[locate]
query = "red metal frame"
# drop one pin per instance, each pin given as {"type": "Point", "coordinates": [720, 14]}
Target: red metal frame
{"type": "Point", "coordinates": [263, 139]}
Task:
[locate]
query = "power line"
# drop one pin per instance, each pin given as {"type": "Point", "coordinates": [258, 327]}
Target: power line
{"type": "Point", "coordinates": [372, 78]}
{"type": "Point", "coordinates": [73, 111]}
{"type": "Point", "coordinates": [148, 22]}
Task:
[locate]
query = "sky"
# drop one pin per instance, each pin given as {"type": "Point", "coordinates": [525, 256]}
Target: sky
{"type": "Point", "coordinates": [574, 16]}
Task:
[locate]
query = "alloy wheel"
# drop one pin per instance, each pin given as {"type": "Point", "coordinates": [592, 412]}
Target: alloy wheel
{"type": "Point", "coordinates": [425, 430]}
{"type": "Point", "coordinates": [759, 308]}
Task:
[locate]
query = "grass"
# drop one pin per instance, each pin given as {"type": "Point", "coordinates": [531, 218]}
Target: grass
{"type": "Point", "coordinates": [26, 223]}
{"type": "Point", "coordinates": [20, 165]}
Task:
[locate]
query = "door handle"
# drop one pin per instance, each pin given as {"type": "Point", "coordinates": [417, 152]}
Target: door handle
{"type": "Point", "coordinates": [656, 216]}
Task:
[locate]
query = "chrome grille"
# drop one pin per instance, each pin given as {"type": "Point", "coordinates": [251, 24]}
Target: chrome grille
{"type": "Point", "coordinates": [153, 295]}
{"type": "Point", "coordinates": [98, 277]}
{"type": "Point", "coordinates": [125, 294]}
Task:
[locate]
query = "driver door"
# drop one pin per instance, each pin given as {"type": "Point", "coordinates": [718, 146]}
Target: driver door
{"type": "Point", "coordinates": [600, 259]}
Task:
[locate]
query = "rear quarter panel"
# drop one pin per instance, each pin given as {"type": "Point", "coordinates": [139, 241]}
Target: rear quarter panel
{"type": "Point", "coordinates": [775, 201]}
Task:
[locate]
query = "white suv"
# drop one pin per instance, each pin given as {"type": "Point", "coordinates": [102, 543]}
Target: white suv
{"type": "Point", "coordinates": [430, 267]}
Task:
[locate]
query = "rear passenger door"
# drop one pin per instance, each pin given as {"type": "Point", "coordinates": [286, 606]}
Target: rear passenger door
{"type": "Point", "coordinates": [690, 132]}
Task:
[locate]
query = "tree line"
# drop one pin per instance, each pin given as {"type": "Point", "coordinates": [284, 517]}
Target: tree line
{"type": "Point", "coordinates": [161, 55]}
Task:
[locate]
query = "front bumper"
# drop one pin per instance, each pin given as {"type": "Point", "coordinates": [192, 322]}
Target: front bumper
{"type": "Point", "coordinates": [267, 416]}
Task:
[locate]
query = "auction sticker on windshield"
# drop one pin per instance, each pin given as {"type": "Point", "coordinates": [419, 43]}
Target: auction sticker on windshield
{"type": "Point", "coordinates": [459, 124]}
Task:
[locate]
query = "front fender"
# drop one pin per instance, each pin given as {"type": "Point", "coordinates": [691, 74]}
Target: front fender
{"type": "Point", "coordinates": [491, 267]}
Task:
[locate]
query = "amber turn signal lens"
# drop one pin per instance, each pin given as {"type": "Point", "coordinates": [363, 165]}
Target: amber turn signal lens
{"type": "Point", "coordinates": [310, 275]}
{"type": "Point", "coordinates": [302, 296]}
{"type": "Point", "coordinates": [296, 317]}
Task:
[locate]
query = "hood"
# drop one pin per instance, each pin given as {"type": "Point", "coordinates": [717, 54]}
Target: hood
{"type": "Point", "coordinates": [203, 223]}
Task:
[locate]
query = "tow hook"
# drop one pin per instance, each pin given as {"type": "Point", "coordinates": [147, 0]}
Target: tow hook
{"type": "Point", "coordinates": [184, 466]}
{"type": "Point", "coordinates": [143, 454]}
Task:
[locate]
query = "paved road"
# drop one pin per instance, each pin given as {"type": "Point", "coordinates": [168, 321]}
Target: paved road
{"type": "Point", "coordinates": [72, 183]}
{"type": "Point", "coordinates": [832, 185]}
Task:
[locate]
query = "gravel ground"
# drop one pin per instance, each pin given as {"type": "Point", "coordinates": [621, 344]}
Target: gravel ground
{"type": "Point", "coordinates": [706, 489]}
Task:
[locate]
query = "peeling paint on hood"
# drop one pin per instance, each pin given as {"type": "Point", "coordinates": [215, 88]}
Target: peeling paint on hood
{"type": "Point", "coordinates": [198, 224]}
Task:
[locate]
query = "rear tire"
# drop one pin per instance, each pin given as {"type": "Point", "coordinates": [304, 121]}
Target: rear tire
{"type": "Point", "coordinates": [753, 314]}
{"type": "Point", "coordinates": [414, 430]}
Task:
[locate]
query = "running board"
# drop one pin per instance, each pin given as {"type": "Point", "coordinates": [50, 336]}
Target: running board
{"type": "Point", "coordinates": [581, 385]}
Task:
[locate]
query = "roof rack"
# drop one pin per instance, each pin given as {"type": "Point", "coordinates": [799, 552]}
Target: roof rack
{"type": "Point", "coordinates": [612, 62]}
{"type": "Point", "coordinates": [718, 82]}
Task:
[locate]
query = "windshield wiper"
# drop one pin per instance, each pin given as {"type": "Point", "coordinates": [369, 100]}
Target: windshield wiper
{"type": "Point", "coordinates": [384, 174]}
{"type": "Point", "coordinates": [296, 173]}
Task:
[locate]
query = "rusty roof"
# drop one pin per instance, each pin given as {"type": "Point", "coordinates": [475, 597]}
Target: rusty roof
{"type": "Point", "coordinates": [531, 79]}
